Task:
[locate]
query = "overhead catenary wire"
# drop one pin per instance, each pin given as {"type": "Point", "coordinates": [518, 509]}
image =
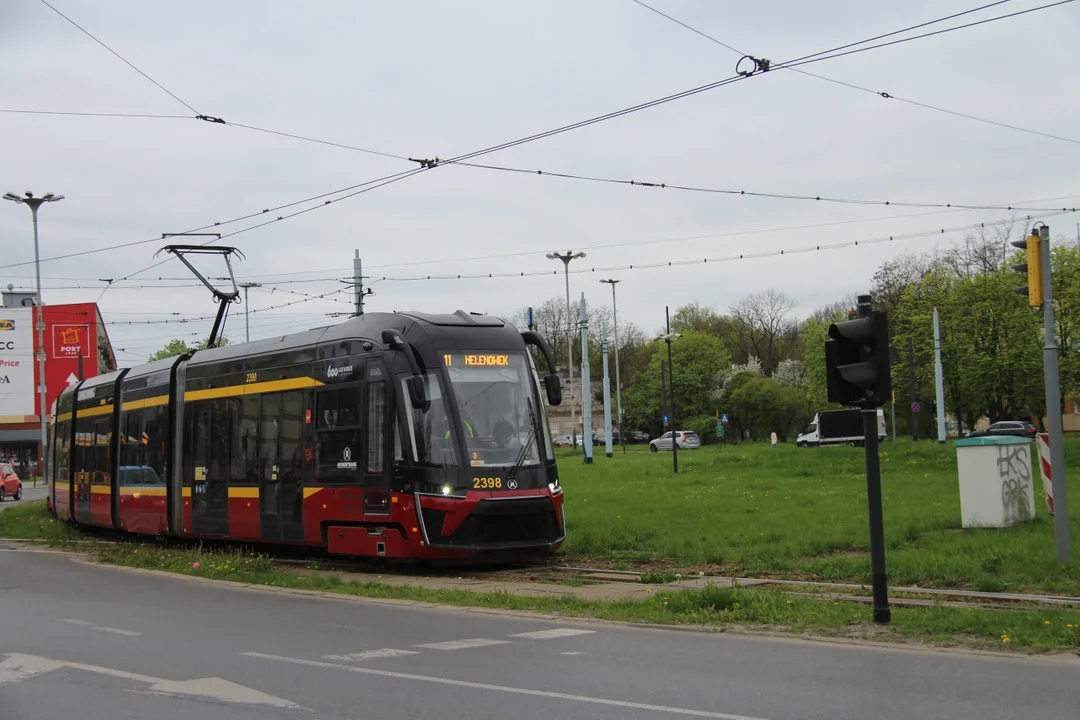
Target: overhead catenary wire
{"type": "Point", "coordinates": [760, 68]}
{"type": "Point", "coordinates": [122, 59]}
{"type": "Point", "coordinates": [878, 93]}
{"type": "Point", "coordinates": [738, 256]}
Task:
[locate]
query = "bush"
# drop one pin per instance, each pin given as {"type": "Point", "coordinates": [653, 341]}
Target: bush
{"type": "Point", "coordinates": [703, 425]}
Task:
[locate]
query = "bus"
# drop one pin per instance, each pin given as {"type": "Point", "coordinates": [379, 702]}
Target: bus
{"type": "Point", "coordinates": [396, 435]}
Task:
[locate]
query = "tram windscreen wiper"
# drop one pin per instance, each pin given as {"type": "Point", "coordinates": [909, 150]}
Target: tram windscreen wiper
{"type": "Point", "coordinates": [528, 441]}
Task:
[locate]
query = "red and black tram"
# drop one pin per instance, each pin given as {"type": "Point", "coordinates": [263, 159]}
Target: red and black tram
{"type": "Point", "coordinates": [402, 435]}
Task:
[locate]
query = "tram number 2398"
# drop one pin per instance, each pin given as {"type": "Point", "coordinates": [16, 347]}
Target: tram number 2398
{"type": "Point", "coordinates": [495, 483]}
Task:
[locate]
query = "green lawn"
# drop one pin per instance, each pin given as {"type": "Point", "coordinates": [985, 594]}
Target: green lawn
{"type": "Point", "coordinates": [752, 510]}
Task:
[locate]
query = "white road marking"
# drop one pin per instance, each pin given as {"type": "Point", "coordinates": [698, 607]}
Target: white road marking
{"type": "Point", "coordinates": [371, 655]}
{"type": "Point", "coordinates": [20, 667]}
{"type": "Point", "coordinates": [463, 644]}
{"type": "Point", "coordinates": [504, 688]}
{"type": "Point", "coordinates": [118, 631]}
{"type": "Point", "coordinates": [573, 652]}
{"type": "Point", "coordinates": [553, 633]}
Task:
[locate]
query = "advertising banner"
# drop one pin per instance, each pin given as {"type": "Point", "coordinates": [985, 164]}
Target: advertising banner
{"type": "Point", "coordinates": [17, 392]}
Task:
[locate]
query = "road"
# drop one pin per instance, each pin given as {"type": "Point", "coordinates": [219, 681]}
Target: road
{"type": "Point", "coordinates": [29, 493]}
{"type": "Point", "coordinates": [100, 643]}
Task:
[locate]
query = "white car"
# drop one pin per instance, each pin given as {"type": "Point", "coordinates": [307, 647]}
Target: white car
{"type": "Point", "coordinates": [687, 439]}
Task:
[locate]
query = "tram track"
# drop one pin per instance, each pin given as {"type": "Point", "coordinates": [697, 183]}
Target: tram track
{"type": "Point", "coordinates": [570, 575]}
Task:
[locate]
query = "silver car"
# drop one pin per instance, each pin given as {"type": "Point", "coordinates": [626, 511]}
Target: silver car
{"type": "Point", "coordinates": [687, 439]}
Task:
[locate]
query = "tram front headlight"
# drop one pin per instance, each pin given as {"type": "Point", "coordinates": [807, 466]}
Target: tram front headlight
{"type": "Point", "coordinates": [446, 489]}
{"type": "Point", "coordinates": [553, 486]}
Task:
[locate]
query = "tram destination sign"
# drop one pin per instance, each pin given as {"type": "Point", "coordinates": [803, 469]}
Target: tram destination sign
{"type": "Point", "coordinates": [467, 360]}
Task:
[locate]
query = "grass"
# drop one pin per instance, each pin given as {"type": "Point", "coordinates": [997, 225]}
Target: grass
{"type": "Point", "coordinates": [30, 520]}
{"type": "Point", "coordinates": [802, 513]}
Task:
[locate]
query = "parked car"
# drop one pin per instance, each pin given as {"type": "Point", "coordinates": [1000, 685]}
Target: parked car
{"type": "Point", "coordinates": [1013, 428]}
{"type": "Point", "coordinates": [562, 441]}
{"type": "Point", "coordinates": [10, 484]}
{"type": "Point", "coordinates": [637, 436]}
{"type": "Point", "coordinates": [687, 439]}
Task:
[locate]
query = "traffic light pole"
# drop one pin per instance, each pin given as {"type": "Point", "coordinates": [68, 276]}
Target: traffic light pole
{"type": "Point", "coordinates": [1053, 406]}
{"type": "Point", "coordinates": [878, 581]}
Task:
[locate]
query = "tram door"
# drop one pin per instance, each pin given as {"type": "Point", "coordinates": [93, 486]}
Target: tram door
{"type": "Point", "coordinates": [209, 424]}
{"type": "Point", "coordinates": [377, 425]}
{"type": "Point", "coordinates": [281, 464]}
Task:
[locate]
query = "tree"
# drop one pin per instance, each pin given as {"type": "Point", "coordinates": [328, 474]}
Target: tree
{"type": "Point", "coordinates": [699, 358]}
{"type": "Point", "coordinates": [790, 373]}
{"type": "Point", "coordinates": [815, 332]}
{"type": "Point", "coordinates": [765, 327]}
{"type": "Point", "coordinates": [762, 405]}
{"type": "Point", "coordinates": [180, 347]}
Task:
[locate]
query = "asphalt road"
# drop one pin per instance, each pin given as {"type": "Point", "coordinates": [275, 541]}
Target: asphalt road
{"type": "Point", "coordinates": [29, 493]}
{"type": "Point", "coordinates": [99, 643]}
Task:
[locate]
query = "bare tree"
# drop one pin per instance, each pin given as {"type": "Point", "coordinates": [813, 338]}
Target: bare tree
{"type": "Point", "coordinates": [765, 327]}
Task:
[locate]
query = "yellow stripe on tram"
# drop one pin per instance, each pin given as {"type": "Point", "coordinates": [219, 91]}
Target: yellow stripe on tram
{"type": "Point", "coordinates": [252, 388]}
{"type": "Point", "coordinates": [91, 412]}
{"type": "Point", "coordinates": [63, 417]}
{"type": "Point", "coordinates": [136, 492]}
{"type": "Point", "coordinates": [145, 403]}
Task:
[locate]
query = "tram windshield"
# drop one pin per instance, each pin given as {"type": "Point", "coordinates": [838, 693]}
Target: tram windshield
{"type": "Point", "coordinates": [497, 407]}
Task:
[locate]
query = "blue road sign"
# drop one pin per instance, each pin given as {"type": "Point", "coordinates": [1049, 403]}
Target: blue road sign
{"type": "Point", "coordinates": [723, 417]}
{"type": "Point", "coordinates": [665, 419]}
{"type": "Point", "coordinates": [530, 320]}
{"type": "Point", "coordinates": [916, 407]}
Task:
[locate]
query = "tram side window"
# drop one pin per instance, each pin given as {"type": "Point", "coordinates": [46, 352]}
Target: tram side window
{"type": "Point", "coordinates": [62, 444]}
{"type": "Point", "coordinates": [101, 455]}
{"type": "Point", "coordinates": [131, 443]}
{"type": "Point", "coordinates": [338, 435]}
{"type": "Point", "coordinates": [292, 426]}
{"type": "Point", "coordinates": [152, 442]}
{"type": "Point", "coordinates": [84, 437]}
{"type": "Point", "coordinates": [247, 442]}
{"type": "Point", "coordinates": [376, 427]}
{"type": "Point", "coordinates": [198, 422]}
{"type": "Point", "coordinates": [223, 418]}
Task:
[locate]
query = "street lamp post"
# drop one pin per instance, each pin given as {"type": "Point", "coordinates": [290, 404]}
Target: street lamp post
{"type": "Point", "coordinates": [566, 258]}
{"type": "Point", "coordinates": [34, 203]}
{"type": "Point", "coordinates": [669, 338]}
{"type": "Point", "coordinates": [618, 383]}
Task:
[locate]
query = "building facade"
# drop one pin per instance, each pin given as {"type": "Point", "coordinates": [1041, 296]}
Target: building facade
{"type": "Point", "coordinates": [76, 347]}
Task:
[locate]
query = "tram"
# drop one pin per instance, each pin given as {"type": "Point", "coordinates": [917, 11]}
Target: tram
{"type": "Point", "coordinates": [397, 435]}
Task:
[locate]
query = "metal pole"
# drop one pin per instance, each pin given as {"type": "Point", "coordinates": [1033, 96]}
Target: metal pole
{"type": "Point", "coordinates": [358, 285]}
{"type": "Point", "coordinates": [570, 349]}
{"type": "Point", "coordinates": [586, 399]}
{"type": "Point", "coordinates": [247, 310]}
{"type": "Point", "coordinates": [894, 418]}
{"type": "Point", "coordinates": [911, 367]}
{"type": "Point", "coordinates": [671, 385]}
{"type": "Point", "coordinates": [663, 398]}
{"type": "Point", "coordinates": [618, 380]}
{"type": "Point", "coordinates": [607, 391]}
{"type": "Point", "coordinates": [939, 383]}
{"type": "Point", "coordinates": [1053, 406]}
{"type": "Point", "coordinates": [43, 465]}
{"type": "Point", "coordinates": [878, 581]}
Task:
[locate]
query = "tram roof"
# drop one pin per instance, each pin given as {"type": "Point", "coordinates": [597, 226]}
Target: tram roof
{"type": "Point", "coordinates": [364, 327]}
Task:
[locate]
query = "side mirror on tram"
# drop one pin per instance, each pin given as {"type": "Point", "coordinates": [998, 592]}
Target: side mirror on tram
{"type": "Point", "coordinates": [553, 386]}
{"type": "Point", "coordinates": [417, 393]}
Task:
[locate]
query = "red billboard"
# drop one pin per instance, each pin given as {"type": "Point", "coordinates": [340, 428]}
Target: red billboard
{"type": "Point", "coordinates": [71, 346]}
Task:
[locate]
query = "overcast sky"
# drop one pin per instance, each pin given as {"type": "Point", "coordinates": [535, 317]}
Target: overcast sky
{"type": "Point", "coordinates": [423, 79]}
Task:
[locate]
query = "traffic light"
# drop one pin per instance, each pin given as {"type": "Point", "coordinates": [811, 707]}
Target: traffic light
{"type": "Point", "coordinates": [1033, 268]}
{"type": "Point", "coordinates": [857, 370]}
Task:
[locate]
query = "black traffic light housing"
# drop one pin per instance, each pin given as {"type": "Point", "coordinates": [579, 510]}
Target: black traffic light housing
{"type": "Point", "coordinates": [857, 368]}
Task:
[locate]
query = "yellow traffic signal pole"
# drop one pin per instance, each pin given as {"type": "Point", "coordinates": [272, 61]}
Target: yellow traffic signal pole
{"type": "Point", "coordinates": [1053, 403]}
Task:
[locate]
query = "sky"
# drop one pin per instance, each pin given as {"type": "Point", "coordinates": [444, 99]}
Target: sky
{"type": "Point", "coordinates": [425, 79]}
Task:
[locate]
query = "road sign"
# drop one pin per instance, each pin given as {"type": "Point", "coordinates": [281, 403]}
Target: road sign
{"type": "Point", "coordinates": [916, 407]}
{"type": "Point", "coordinates": [723, 417]}
{"type": "Point", "coordinates": [719, 430]}
{"type": "Point", "coordinates": [665, 420]}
